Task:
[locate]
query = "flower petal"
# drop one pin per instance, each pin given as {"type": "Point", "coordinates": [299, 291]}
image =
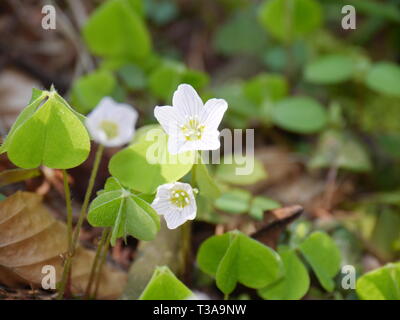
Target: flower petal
{"type": "Point", "coordinates": [187, 101]}
{"type": "Point", "coordinates": [169, 118]}
{"type": "Point", "coordinates": [214, 112]}
{"type": "Point", "coordinates": [124, 117]}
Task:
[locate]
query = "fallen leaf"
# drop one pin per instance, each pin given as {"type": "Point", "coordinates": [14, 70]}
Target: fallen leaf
{"type": "Point", "coordinates": [30, 238]}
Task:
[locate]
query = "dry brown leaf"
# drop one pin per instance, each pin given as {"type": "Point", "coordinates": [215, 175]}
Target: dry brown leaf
{"type": "Point", "coordinates": [30, 238]}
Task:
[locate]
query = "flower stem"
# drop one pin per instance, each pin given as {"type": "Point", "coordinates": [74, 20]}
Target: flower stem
{"type": "Point", "coordinates": [226, 296]}
{"type": "Point", "coordinates": [82, 215]}
{"type": "Point", "coordinates": [88, 194]}
{"type": "Point", "coordinates": [68, 204]}
{"type": "Point", "coordinates": [96, 262]}
{"type": "Point", "coordinates": [102, 261]}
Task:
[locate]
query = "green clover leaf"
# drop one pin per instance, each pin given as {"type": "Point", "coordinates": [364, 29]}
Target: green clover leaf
{"type": "Point", "coordinates": [47, 132]}
{"type": "Point", "coordinates": [164, 285]}
{"type": "Point", "coordinates": [234, 257]}
{"type": "Point", "coordinates": [324, 257]}
{"type": "Point", "coordinates": [125, 212]}
{"type": "Point", "coordinates": [134, 168]}
{"type": "Point", "coordinates": [380, 284]}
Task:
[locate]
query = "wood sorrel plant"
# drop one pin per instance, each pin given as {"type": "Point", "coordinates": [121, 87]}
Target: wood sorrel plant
{"type": "Point", "coordinates": [49, 132]}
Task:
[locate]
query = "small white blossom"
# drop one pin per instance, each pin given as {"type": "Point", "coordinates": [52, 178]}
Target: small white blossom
{"type": "Point", "coordinates": [176, 202]}
{"type": "Point", "coordinates": [190, 124]}
{"type": "Point", "coordinates": [112, 124]}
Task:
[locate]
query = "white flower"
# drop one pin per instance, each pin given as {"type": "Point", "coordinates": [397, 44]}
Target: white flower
{"type": "Point", "coordinates": [175, 201]}
{"type": "Point", "coordinates": [112, 124]}
{"type": "Point", "coordinates": [190, 124]}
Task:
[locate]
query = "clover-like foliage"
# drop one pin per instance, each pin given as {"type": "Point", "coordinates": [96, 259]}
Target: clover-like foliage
{"type": "Point", "coordinates": [47, 132]}
{"type": "Point", "coordinates": [124, 212]}
{"type": "Point", "coordinates": [234, 257]}
{"type": "Point", "coordinates": [164, 285]}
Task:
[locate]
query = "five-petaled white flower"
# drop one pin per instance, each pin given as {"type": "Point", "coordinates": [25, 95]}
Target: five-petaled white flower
{"type": "Point", "coordinates": [112, 124]}
{"type": "Point", "coordinates": [189, 124]}
{"type": "Point", "coordinates": [176, 202]}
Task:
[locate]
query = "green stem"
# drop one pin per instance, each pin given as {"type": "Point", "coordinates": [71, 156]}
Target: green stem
{"type": "Point", "coordinates": [65, 275]}
{"type": "Point", "coordinates": [96, 262]}
{"type": "Point", "coordinates": [102, 261]}
{"type": "Point", "coordinates": [68, 204]}
{"type": "Point", "coordinates": [186, 244]}
{"type": "Point", "coordinates": [82, 215]}
{"type": "Point", "coordinates": [88, 194]}
{"type": "Point", "coordinates": [226, 296]}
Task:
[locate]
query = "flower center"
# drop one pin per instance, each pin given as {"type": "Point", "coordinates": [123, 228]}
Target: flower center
{"type": "Point", "coordinates": [193, 129]}
{"type": "Point", "coordinates": [180, 198]}
{"type": "Point", "coordinates": [110, 128]}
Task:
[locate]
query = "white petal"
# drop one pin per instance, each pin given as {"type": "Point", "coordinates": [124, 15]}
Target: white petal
{"type": "Point", "coordinates": [123, 115]}
{"type": "Point", "coordinates": [174, 219]}
{"type": "Point", "coordinates": [177, 143]}
{"type": "Point", "coordinates": [187, 101]}
{"type": "Point", "coordinates": [169, 118]}
{"type": "Point", "coordinates": [173, 215]}
{"type": "Point", "coordinates": [214, 112]}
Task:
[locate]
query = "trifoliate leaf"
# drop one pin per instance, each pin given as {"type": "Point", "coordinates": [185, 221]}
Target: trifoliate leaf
{"type": "Point", "coordinates": [164, 285]}
{"type": "Point", "coordinates": [126, 213]}
{"type": "Point", "coordinates": [48, 132]}
{"type": "Point", "coordinates": [234, 257]}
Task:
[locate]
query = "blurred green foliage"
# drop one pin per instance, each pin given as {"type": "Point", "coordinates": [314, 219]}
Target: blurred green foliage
{"type": "Point", "coordinates": [287, 69]}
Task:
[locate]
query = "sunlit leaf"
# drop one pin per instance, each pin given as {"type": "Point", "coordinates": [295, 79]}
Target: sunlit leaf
{"type": "Point", "coordinates": [145, 165]}
{"type": "Point", "coordinates": [380, 284]}
{"type": "Point", "coordinates": [164, 285]}
{"type": "Point", "coordinates": [48, 132]}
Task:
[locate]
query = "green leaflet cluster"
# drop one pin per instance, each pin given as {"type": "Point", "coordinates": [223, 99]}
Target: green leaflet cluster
{"type": "Point", "coordinates": [233, 257]}
{"type": "Point", "coordinates": [124, 212]}
{"type": "Point", "coordinates": [47, 132]}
